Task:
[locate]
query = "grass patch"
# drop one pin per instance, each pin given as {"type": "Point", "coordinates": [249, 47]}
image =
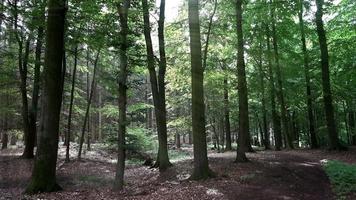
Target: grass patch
{"type": "Point", "coordinates": [342, 177]}
{"type": "Point", "coordinates": [178, 155]}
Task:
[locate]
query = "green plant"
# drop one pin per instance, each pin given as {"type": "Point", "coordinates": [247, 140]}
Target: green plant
{"type": "Point", "coordinates": [342, 177]}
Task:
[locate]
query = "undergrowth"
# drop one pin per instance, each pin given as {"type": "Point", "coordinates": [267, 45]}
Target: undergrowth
{"type": "Point", "coordinates": [342, 177]}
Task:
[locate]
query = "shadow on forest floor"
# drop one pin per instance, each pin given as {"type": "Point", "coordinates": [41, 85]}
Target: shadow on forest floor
{"type": "Point", "coordinates": [269, 175]}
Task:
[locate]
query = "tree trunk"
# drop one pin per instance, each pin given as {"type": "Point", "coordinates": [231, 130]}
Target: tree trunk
{"type": "Point", "coordinates": [264, 129]}
{"type": "Point", "coordinates": [275, 117]}
{"type": "Point", "coordinates": [334, 143]}
{"type": "Point", "coordinates": [201, 166]}
{"type": "Point", "coordinates": [71, 103]}
{"type": "Point", "coordinates": [280, 93]}
{"type": "Point", "coordinates": [313, 139]}
{"type": "Point", "coordinates": [226, 111]}
{"type": "Point", "coordinates": [44, 171]}
{"type": "Point", "coordinates": [86, 117]}
{"type": "Point", "coordinates": [120, 168]}
{"type": "Point", "coordinates": [158, 84]}
{"type": "Point", "coordinates": [23, 63]}
{"type": "Point", "coordinates": [206, 48]}
{"type": "Point", "coordinates": [244, 134]}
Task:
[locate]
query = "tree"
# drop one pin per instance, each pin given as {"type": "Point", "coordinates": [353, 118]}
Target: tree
{"type": "Point", "coordinates": [86, 116]}
{"type": "Point", "coordinates": [201, 166]}
{"type": "Point", "coordinates": [44, 172]}
{"type": "Point", "coordinates": [122, 81]}
{"type": "Point", "coordinates": [313, 140]}
{"type": "Point", "coordinates": [244, 134]}
{"type": "Point", "coordinates": [71, 103]}
{"type": "Point", "coordinates": [280, 93]}
{"type": "Point", "coordinates": [334, 143]}
{"type": "Point", "coordinates": [158, 83]}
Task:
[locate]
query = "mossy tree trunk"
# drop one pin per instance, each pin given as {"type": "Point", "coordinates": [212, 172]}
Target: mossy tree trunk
{"type": "Point", "coordinates": [124, 29]}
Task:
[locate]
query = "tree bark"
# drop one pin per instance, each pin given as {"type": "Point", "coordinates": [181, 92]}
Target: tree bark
{"type": "Point", "coordinates": [244, 132]}
{"type": "Point", "coordinates": [86, 117]}
{"type": "Point", "coordinates": [275, 117]}
{"type": "Point", "coordinates": [120, 168]}
{"type": "Point", "coordinates": [313, 139]}
{"type": "Point", "coordinates": [334, 143]}
{"type": "Point", "coordinates": [206, 48]}
{"type": "Point", "coordinates": [201, 166]}
{"type": "Point", "coordinates": [44, 171]}
{"type": "Point", "coordinates": [226, 110]}
{"type": "Point", "coordinates": [264, 127]}
{"type": "Point", "coordinates": [71, 104]}
{"type": "Point", "coordinates": [280, 93]}
{"type": "Point", "coordinates": [158, 83]}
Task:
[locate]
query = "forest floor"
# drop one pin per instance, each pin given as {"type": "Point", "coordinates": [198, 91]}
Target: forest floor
{"type": "Point", "coordinates": [285, 175]}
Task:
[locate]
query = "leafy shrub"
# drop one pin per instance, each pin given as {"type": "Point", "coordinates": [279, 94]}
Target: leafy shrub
{"type": "Point", "coordinates": [137, 138]}
{"type": "Point", "coordinates": [342, 177]}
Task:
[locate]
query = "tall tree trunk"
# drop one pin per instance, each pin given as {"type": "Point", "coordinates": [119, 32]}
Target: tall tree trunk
{"type": "Point", "coordinates": [201, 166]}
{"type": "Point", "coordinates": [29, 142]}
{"type": "Point", "coordinates": [275, 117]}
{"type": "Point", "coordinates": [36, 86]}
{"type": "Point", "coordinates": [264, 129]}
{"type": "Point", "coordinates": [313, 139]}
{"type": "Point", "coordinates": [280, 93]}
{"type": "Point", "coordinates": [71, 103]}
{"type": "Point", "coordinates": [158, 84]}
{"type": "Point", "coordinates": [334, 143]}
{"type": "Point", "coordinates": [226, 110]}
{"type": "Point", "coordinates": [86, 117]}
{"type": "Point", "coordinates": [44, 171]}
{"type": "Point", "coordinates": [120, 168]}
{"type": "Point", "coordinates": [244, 133]}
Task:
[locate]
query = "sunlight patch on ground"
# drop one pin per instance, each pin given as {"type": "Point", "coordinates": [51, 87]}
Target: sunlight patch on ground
{"type": "Point", "coordinates": [214, 192]}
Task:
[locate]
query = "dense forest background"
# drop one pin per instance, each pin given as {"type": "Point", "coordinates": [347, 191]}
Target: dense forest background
{"type": "Point", "coordinates": [221, 75]}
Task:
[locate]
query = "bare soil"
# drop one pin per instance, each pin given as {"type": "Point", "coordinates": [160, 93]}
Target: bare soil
{"type": "Point", "coordinates": [285, 175]}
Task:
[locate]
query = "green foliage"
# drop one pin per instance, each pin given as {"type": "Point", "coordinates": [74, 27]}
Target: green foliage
{"type": "Point", "coordinates": [137, 138]}
{"type": "Point", "coordinates": [342, 177]}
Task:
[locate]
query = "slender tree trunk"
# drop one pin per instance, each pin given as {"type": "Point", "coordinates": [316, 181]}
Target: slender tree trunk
{"type": "Point", "coordinates": [29, 142]}
{"type": "Point", "coordinates": [86, 117]}
{"type": "Point", "coordinates": [334, 143]}
{"type": "Point", "coordinates": [264, 129]}
{"type": "Point", "coordinates": [201, 166]}
{"type": "Point", "coordinates": [244, 133]}
{"type": "Point", "coordinates": [206, 48]}
{"type": "Point", "coordinates": [226, 110]}
{"type": "Point", "coordinates": [280, 93]}
{"type": "Point", "coordinates": [71, 103]}
{"type": "Point", "coordinates": [275, 117]}
{"type": "Point", "coordinates": [120, 168]}
{"type": "Point", "coordinates": [158, 84]}
{"type": "Point", "coordinates": [44, 171]}
{"type": "Point", "coordinates": [5, 136]}
{"type": "Point", "coordinates": [100, 118]}
{"type": "Point", "coordinates": [36, 87]}
{"type": "Point", "coordinates": [313, 139]}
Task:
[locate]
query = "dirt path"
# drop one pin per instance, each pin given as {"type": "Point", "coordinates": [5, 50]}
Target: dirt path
{"type": "Point", "coordinates": [282, 176]}
{"type": "Point", "coordinates": [269, 175]}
